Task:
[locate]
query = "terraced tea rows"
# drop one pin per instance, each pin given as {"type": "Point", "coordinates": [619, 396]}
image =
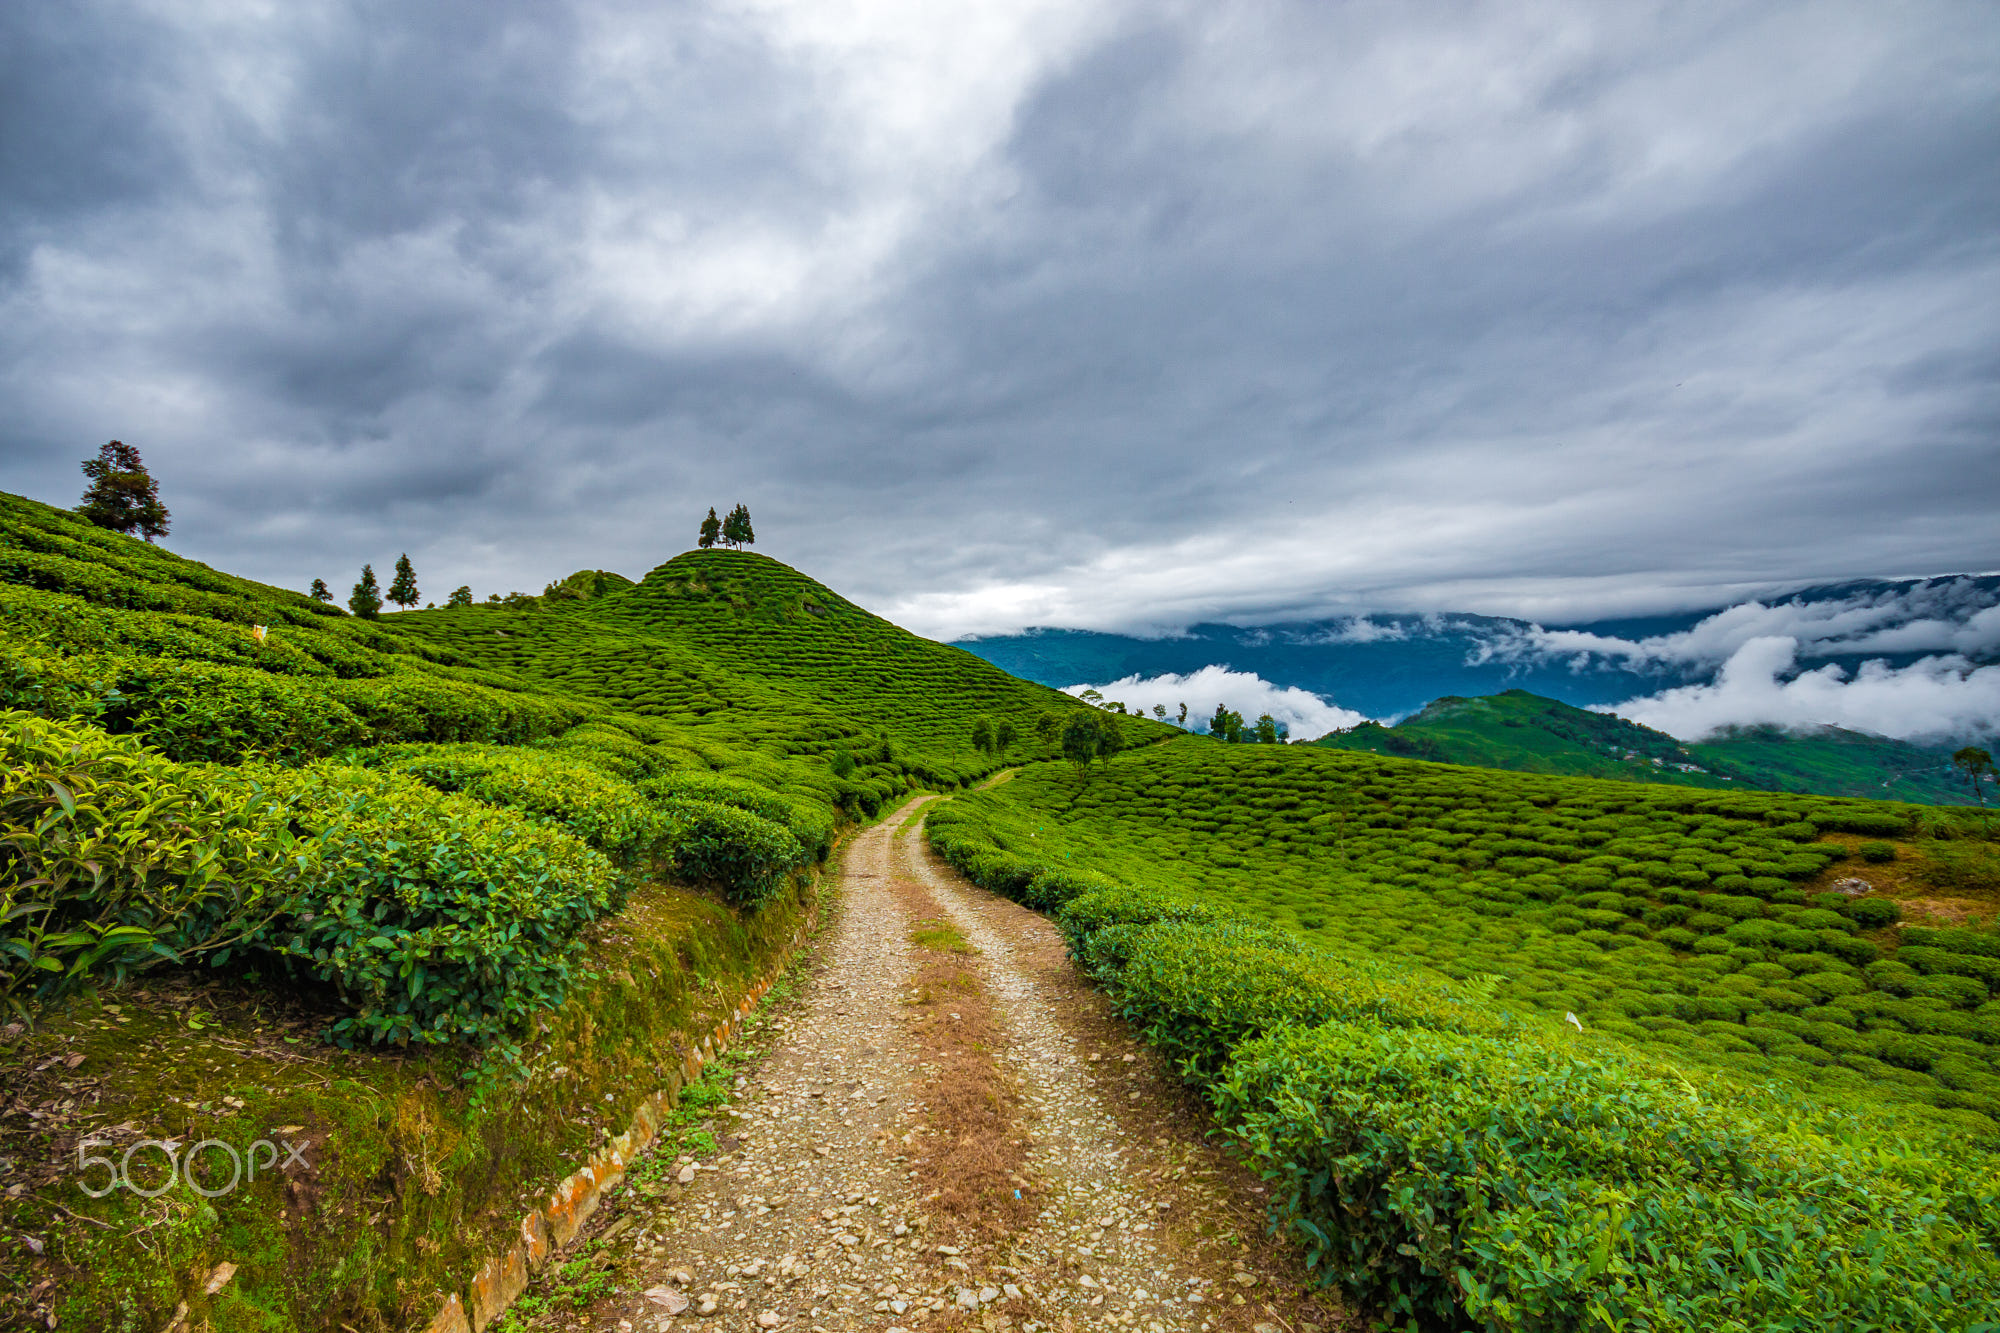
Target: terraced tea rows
{"type": "Point", "coordinates": [1701, 924]}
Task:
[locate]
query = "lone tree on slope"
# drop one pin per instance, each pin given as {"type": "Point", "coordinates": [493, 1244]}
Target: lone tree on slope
{"type": "Point", "coordinates": [711, 529]}
{"type": "Point", "coordinates": [1004, 735]}
{"type": "Point", "coordinates": [460, 596]}
{"type": "Point", "coordinates": [736, 528]}
{"type": "Point", "coordinates": [982, 735]}
{"type": "Point", "coordinates": [366, 599]}
{"type": "Point", "coordinates": [320, 592]}
{"type": "Point", "coordinates": [403, 588]}
{"type": "Point", "coordinates": [123, 496]}
{"type": "Point", "coordinates": [1975, 763]}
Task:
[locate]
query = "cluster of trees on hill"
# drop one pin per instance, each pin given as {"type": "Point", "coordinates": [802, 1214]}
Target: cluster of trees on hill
{"type": "Point", "coordinates": [1082, 737]}
{"type": "Point", "coordinates": [1226, 725]}
{"type": "Point", "coordinates": [732, 531]}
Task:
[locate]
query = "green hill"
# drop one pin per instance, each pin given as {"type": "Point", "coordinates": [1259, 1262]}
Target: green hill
{"type": "Point", "coordinates": [747, 648]}
{"type": "Point", "coordinates": [1528, 733]}
{"type": "Point", "coordinates": [715, 718]}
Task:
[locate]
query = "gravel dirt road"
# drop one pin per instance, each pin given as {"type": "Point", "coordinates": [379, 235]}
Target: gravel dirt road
{"type": "Point", "coordinates": [808, 1199]}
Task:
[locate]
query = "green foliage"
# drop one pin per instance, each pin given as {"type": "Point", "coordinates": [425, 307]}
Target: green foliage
{"type": "Point", "coordinates": [736, 529]}
{"type": "Point", "coordinates": [122, 495]}
{"type": "Point", "coordinates": [366, 599]}
{"type": "Point", "coordinates": [113, 858]}
{"type": "Point", "coordinates": [1518, 1182]}
{"type": "Point", "coordinates": [1456, 1158]}
{"type": "Point", "coordinates": [982, 734]}
{"type": "Point", "coordinates": [434, 916]}
{"type": "Point", "coordinates": [460, 596]}
{"type": "Point", "coordinates": [403, 588]}
{"type": "Point", "coordinates": [807, 821]}
{"type": "Point", "coordinates": [744, 856]}
{"type": "Point", "coordinates": [319, 592]}
{"type": "Point", "coordinates": [1638, 908]}
{"type": "Point", "coordinates": [711, 530]}
{"type": "Point", "coordinates": [1877, 853]}
{"type": "Point", "coordinates": [604, 811]}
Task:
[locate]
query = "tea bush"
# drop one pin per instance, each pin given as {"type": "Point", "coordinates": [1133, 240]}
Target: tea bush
{"type": "Point", "coordinates": [744, 856]}
{"type": "Point", "coordinates": [113, 858]}
{"type": "Point", "coordinates": [808, 822]}
{"type": "Point", "coordinates": [434, 916]}
{"type": "Point", "coordinates": [604, 811]}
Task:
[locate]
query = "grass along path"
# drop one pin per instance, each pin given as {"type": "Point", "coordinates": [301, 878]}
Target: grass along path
{"type": "Point", "coordinates": [805, 1201]}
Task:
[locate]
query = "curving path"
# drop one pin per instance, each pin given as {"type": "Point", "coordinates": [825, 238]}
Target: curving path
{"type": "Point", "coordinates": [808, 1216]}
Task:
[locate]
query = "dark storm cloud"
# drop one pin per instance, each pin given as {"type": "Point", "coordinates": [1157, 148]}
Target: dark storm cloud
{"type": "Point", "coordinates": [1035, 313]}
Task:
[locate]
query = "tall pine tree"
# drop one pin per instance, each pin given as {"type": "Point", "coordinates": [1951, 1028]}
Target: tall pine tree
{"type": "Point", "coordinates": [403, 588]}
{"type": "Point", "coordinates": [736, 528]}
{"type": "Point", "coordinates": [366, 599]}
{"type": "Point", "coordinates": [123, 496]}
{"type": "Point", "coordinates": [711, 528]}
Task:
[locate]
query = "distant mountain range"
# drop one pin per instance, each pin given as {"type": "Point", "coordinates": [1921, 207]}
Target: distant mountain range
{"type": "Point", "coordinates": [1388, 666]}
{"type": "Point", "coordinates": [1530, 734]}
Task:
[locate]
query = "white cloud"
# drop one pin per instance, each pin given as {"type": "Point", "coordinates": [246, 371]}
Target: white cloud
{"type": "Point", "coordinates": [1937, 698]}
{"type": "Point", "coordinates": [1941, 616]}
{"type": "Point", "coordinates": [1305, 713]}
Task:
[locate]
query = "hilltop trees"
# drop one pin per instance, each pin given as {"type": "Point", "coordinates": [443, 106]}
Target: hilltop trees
{"type": "Point", "coordinates": [366, 599]}
{"type": "Point", "coordinates": [711, 529]}
{"type": "Point", "coordinates": [736, 528]}
{"type": "Point", "coordinates": [319, 592]}
{"type": "Point", "coordinates": [122, 495]}
{"type": "Point", "coordinates": [403, 588]}
{"type": "Point", "coordinates": [460, 596]}
{"type": "Point", "coordinates": [1226, 725]}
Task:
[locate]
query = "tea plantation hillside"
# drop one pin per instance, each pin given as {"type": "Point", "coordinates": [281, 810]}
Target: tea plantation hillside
{"type": "Point", "coordinates": [764, 655]}
{"type": "Point", "coordinates": [1528, 733]}
{"type": "Point", "coordinates": [203, 769]}
{"type": "Point", "coordinates": [1532, 1053]}
{"type": "Point", "coordinates": [1694, 923]}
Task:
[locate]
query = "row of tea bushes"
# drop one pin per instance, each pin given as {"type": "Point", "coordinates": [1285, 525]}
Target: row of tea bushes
{"type": "Point", "coordinates": [1696, 923]}
{"type": "Point", "coordinates": [1453, 1164]}
{"type": "Point", "coordinates": [439, 891]}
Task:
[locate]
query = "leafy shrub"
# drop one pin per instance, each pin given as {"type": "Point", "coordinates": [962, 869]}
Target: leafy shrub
{"type": "Point", "coordinates": [1877, 853]}
{"type": "Point", "coordinates": [1514, 1183]}
{"type": "Point", "coordinates": [810, 824]}
{"type": "Point", "coordinates": [436, 917]}
{"type": "Point", "coordinates": [606, 747]}
{"type": "Point", "coordinates": [1051, 889]}
{"type": "Point", "coordinates": [604, 811]}
{"type": "Point", "coordinates": [113, 858]}
{"type": "Point", "coordinates": [744, 856]}
{"type": "Point", "coordinates": [1874, 913]}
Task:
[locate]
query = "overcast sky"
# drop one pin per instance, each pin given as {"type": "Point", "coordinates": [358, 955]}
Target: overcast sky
{"type": "Point", "coordinates": [1114, 315]}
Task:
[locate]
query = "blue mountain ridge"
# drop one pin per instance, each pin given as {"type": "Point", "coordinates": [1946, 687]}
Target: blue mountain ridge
{"type": "Point", "coordinates": [1390, 665]}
